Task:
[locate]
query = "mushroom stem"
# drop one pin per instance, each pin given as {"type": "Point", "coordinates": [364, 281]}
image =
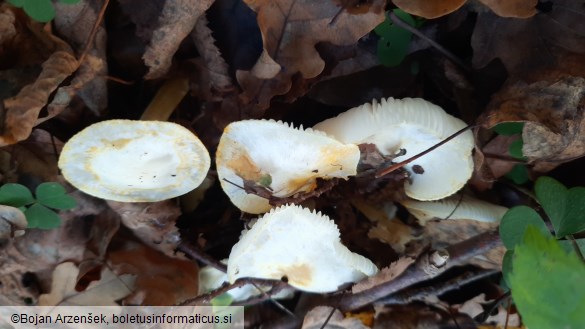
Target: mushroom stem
{"type": "Point", "coordinates": [385, 171]}
{"type": "Point", "coordinates": [166, 100]}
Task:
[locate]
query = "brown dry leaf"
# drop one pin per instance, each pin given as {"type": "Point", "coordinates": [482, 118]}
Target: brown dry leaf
{"type": "Point", "coordinates": [104, 292]}
{"type": "Point", "coordinates": [419, 316]}
{"type": "Point", "coordinates": [177, 20]}
{"type": "Point", "coordinates": [499, 147]}
{"type": "Point", "coordinates": [214, 65]}
{"type": "Point", "coordinates": [553, 112]}
{"type": "Point", "coordinates": [290, 30]}
{"type": "Point", "coordinates": [23, 109]}
{"type": "Point", "coordinates": [75, 23]}
{"type": "Point", "coordinates": [443, 233]}
{"type": "Point", "coordinates": [473, 307]}
{"type": "Point", "coordinates": [153, 223]}
{"type": "Point", "coordinates": [317, 317]}
{"type": "Point", "coordinates": [385, 275]}
{"type": "Point", "coordinates": [160, 280]}
{"type": "Point", "coordinates": [388, 229]}
{"type": "Point", "coordinates": [512, 8]}
{"type": "Point", "coordinates": [538, 42]}
{"type": "Point", "coordinates": [36, 156]}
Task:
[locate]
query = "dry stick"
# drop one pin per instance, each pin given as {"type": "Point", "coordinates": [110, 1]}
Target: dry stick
{"type": "Point", "coordinates": [197, 253]}
{"type": "Point", "coordinates": [384, 171]}
{"type": "Point", "coordinates": [93, 32]}
{"type": "Point", "coordinates": [206, 298]}
{"type": "Point", "coordinates": [398, 22]}
{"type": "Point", "coordinates": [422, 270]}
{"type": "Point", "coordinates": [408, 296]}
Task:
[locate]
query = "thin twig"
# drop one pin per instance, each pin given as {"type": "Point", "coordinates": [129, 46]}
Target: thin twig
{"type": "Point", "coordinates": [197, 253]}
{"type": "Point", "coordinates": [384, 171]}
{"type": "Point", "coordinates": [419, 271]}
{"type": "Point", "coordinates": [93, 32]}
{"type": "Point", "coordinates": [398, 22]}
{"type": "Point", "coordinates": [205, 299]}
{"type": "Point", "coordinates": [576, 247]}
{"type": "Point", "coordinates": [408, 296]}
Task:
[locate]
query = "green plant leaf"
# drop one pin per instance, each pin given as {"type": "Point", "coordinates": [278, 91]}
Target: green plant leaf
{"type": "Point", "coordinates": [17, 3]}
{"type": "Point", "coordinates": [515, 222]}
{"type": "Point", "coordinates": [509, 128]}
{"type": "Point", "coordinates": [15, 195]}
{"type": "Point", "coordinates": [518, 174]}
{"type": "Point", "coordinates": [39, 10]}
{"type": "Point", "coordinates": [515, 149]}
{"type": "Point", "coordinates": [394, 40]}
{"type": "Point", "coordinates": [507, 266]}
{"type": "Point", "coordinates": [39, 216]}
{"type": "Point", "coordinates": [564, 207]}
{"type": "Point", "coordinates": [53, 195]}
{"type": "Point", "coordinates": [547, 283]}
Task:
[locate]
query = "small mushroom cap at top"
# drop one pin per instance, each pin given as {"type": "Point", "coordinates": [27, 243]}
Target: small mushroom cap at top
{"type": "Point", "coordinates": [415, 125]}
{"type": "Point", "coordinates": [276, 156]}
{"type": "Point", "coordinates": [12, 222]}
{"type": "Point", "coordinates": [134, 161]}
{"type": "Point", "coordinates": [455, 207]}
{"type": "Point", "coordinates": [301, 245]}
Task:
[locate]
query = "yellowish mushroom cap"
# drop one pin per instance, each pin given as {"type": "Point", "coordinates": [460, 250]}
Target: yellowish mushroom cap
{"type": "Point", "coordinates": [277, 156]}
{"type": "Point", "coordinates": [415, 125]}
{"type": "Point", "coordinates": [301, 245]}
{"type": "Point", "coordinates": [134, 161]}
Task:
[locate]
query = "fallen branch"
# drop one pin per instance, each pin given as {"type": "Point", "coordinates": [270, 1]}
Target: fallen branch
{"type": "Point", "coordinates": [426, 267]}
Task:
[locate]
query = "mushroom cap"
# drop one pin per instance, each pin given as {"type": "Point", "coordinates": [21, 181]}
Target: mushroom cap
{"type": "Point", "coordinates": [455, 208]}
{"type": "Point", "coordinates": [275, 155]}
{"type": "Point", "coordinates": [301, 245]}
{"type": "Point", "coordinates": [134, 161]}
{"type": "Point", "coordinates": [415, 125]}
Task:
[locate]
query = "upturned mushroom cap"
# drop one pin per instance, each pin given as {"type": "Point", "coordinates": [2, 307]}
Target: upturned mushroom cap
{"type": "Point", "coordinates": [277, 156]}
{"type": "Point", "coordinates": [12, 222]}
{"type": "Point", "coordinates": [301, 245]}
{"type": "Point", "coordinates": [415, 125]}
{"type": "Point", "coordinates": [455, 208]}
{"type": "Point", "coordinates": [134, 161]}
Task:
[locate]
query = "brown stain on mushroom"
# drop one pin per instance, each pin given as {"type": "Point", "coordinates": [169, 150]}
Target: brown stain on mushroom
{"type": "Point", "coordinates": [297, 274]}
{"type": "Point", "coordinates": [245, 167]}
{"type": "Point", "coordinates": [117, 143]}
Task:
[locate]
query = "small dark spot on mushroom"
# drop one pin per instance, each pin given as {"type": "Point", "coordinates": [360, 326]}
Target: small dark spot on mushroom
{"type": "Point", "coordinates": [418, 169]}
{"type": "Point", "coordinates": [316, 171]}
{"type": "Point", "coordinates": [284, 279]}
{"type": "Point", "coordinates": [154, 176]}
{"type": "Point", "coordinates": [173, 175]}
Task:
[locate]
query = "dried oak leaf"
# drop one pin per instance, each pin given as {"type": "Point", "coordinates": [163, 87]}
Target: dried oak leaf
{"type": "Point", "coordinates": [438, 8]}
{"type": "Point", "coordinates": [385, 275]}
{"type": "Point", "coordinates": [554, 114]}
{"type": "Point", "coordinates": [290, 30]}
{"type": "Point", "coordinates": [105, 292]}
{"type": "Point", "coordinates": [474, 307]}
{"type": "Point", "coordinates": [177, 20]}
{"type": "Point", "coordinates": [22, 110]}
{"type": "Point", "coordinates": [160, 280]}
{"type": "Point", "coordinates": [75, 23]}
{"type": "Point", "coordinates": [537, 42]}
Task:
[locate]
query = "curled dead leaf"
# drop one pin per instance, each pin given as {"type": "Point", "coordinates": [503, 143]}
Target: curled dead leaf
{"type": "Point", "coordinates": [429, 9]}
{"type": "Point", "coordinates": [290, 30]}
{"type": "Point", "coordinates": [553, 112]}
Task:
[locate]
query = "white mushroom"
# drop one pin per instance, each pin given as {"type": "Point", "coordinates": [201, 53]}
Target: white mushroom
{"type": "Point", "coordinates": [134, 161]}
{"type": "Point", "coordinates": [281, 158]}
{"type": "Point", "coordinates": [301, 245]}
{"type": "Point", "coordinates": [414, 125]}
{"type": "Point", "coordinates": [455, 208]}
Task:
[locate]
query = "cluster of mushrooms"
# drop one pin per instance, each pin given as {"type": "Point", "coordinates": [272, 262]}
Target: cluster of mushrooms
{"type": "Point", "coordinates": [148, 161]}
